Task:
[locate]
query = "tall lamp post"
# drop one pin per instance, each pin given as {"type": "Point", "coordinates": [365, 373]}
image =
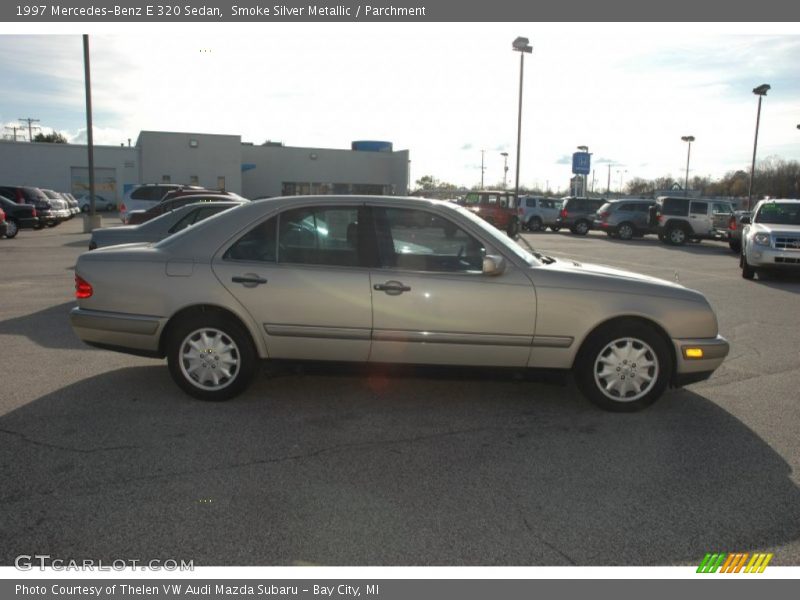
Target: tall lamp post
{"type": "Point", "coordinates": [505, 168]}
{"type": "Point", "coordinates": [759, 91]}
{"type": "Point", "coordinates": [689, 139]}
{"type": "Point", "coordinates": [522, 46]}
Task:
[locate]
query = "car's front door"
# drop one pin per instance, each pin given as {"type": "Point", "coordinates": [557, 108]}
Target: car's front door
{"type": "Point", "coordinates": [303, 277]}
{"type": "Point", "coordinates": [433, 305]}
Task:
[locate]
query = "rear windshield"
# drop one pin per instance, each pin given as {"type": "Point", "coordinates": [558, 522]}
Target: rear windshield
{"type": "Point", "coordinates": [779, 213]}
{"type": "Point", "coordinates": [605, 208]}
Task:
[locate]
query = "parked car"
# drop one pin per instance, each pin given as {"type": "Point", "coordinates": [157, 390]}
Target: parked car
{"type": "Point", "coordinates": [171, 202]}
{"type": "Point", "coordinates": [342, 278]}
{"type": "Point", "coordinates": [18, 216]}
{"type": "Point", "coordinates": [3, 224]}
{"type": "Point", "coordinates": [537, 212]}
{"type": "Point", "coordinates": [59, 206]}
{"type": "Point", "coordinates": [735, 227]}
{"type": "Point", "coordinates": [577, 214]}
{"type": "Point", "coordinates": [33, 196]}
{"type": "Point", "coordinates": [495, 207]}
{"type": "Point", "coordinates": [142, 197]}
{"type": "Point", "coordinates": [160, 227]}
{"type": "Point", "coordinates": [683, 219]}
{"type": "Point", "coordinates": [72, 203]}
{"type": "Point", "coordinates": [625, 218]}
{"type": "Point", "coordinates": [101, 203]}
{"type": "Point", "coordinates": [772, 240]}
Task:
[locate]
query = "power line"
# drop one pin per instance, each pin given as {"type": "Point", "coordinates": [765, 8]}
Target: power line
{"type": "Point", "coordinates": [31, 126]}
{"type": "Point", "coordinates": [13, 128]}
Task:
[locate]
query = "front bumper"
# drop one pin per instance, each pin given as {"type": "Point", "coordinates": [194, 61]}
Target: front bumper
{"type": "Point", "coordinates": [687, 370]}
{"type": "Point", "coordinates": [763, 257]}
{"type": "Point", "coordinates": [134, 334]}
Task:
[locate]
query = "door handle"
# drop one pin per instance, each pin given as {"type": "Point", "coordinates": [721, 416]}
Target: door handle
{"type": "Point", "coordinates": [393, 288]}
{"type": "Point", "coordinates": [249, 280]}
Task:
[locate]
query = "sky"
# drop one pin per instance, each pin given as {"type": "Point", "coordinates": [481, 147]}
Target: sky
{"type": "Point", "coordinates": [443, 91]}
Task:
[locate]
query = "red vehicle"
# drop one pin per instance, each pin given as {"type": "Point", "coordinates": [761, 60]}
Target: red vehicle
{"type": "Point", "coordinates": [3, 226]}
{"type": "Point", "coordinates": [496, 207]}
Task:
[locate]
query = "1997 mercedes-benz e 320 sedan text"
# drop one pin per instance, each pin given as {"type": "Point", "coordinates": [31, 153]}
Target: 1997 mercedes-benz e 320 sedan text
{"type": "Point", "coordinates": [386, 280]}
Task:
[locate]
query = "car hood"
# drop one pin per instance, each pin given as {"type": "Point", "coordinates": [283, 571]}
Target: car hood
{"type": "Point", "coordinates": [776, 228]}
{"type": "Point", "coordinates": [571, 274]}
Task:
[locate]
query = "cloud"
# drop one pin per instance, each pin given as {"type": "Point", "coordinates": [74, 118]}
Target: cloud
{"type": "Point", "coordinates": [467, 146]}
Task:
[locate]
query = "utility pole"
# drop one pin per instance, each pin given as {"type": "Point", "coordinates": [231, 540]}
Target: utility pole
{"type": "Point", "coordinates": [31, 126]}
{"type": "Point", "coordinates": [13, 128]}
{"type": "Point", "coordinates": [482, 167]}
{"type": "Point", "coordinates": [608, 186]}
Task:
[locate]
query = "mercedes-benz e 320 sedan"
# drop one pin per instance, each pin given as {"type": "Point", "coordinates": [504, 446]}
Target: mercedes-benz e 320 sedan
{"type": "Point", "coordinates": [386, 280]}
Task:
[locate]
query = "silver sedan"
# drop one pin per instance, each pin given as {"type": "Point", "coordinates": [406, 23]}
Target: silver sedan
{"type": "Point", "coordinates": [159, 228]}
{"type": "Point", "coordinates": [386, 280]}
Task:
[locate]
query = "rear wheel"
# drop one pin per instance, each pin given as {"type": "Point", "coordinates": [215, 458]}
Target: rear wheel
{"type": "Point", "coordinates": [623, 367]}
{"type": "Point", "coordinates": [535, 224]}
{"type": "Point", "coordinates": [211, 357]}
{"type": "Point", "coordinates": [513, 228]}
{"type": "Point", "coordinates": [555, 227]}
{"type": "Point", "coordinates": [625, 231]}
{"type": "Point", "coordinates": [12, 229]}
{"type": "Point", "coordinates": [581, 227]}
{"type": "Point", "coordinates": [676, 235]}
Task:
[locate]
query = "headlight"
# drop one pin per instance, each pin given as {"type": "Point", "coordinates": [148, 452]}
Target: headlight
{"type": "Point", "coordinates": [762, 239]}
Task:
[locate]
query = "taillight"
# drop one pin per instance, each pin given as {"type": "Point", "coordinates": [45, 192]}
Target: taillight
{"type": "Point", "coordinates": [660, 218]}
{"type": "Point", "coordinates": [564, 213]}
{"type": "Point", "coordinates": [604, 215]}
{"type": "Point", "coordinates": [122, 207]}
{"type": "Point", "coordinates": [34, 214]}
{"type": "Point", "coordinates": [83, 289]}
{"type": "Point", "coordinates": [732, 224]}
{"type": "Point", "coordinates": [2, 215]}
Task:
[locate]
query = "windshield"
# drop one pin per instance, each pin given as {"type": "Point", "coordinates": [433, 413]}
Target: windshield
{"type": "Point", "coordinates": [498, 236]}
{"type": "Point", "coordinates": [779, 213]}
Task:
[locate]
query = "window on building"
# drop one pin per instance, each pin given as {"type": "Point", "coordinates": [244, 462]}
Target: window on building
{"type": "Point", "coordinates": [221, 183]}
{"type": "Point", "coordinates": [166, 179]}
{"type": "Point", "coordinates": [194, 180]}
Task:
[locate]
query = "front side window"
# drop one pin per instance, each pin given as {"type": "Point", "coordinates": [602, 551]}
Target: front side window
{"type": "Point", "coordinates": [319, 236]}
{"type": "Point", "coordinates": [433, 244]}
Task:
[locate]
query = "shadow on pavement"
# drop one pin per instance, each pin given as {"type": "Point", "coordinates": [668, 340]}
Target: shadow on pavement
{"type": "Point", "coordinates": [329, 468]}
{"type": "Point", "coordinates": [48, 328]}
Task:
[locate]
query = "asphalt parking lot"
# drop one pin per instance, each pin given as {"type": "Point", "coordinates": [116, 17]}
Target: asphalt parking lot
{"type": "Point", "coordinates": [101, 456]}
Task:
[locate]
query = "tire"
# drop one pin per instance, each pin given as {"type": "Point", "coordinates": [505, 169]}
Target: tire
{"type": "Point", "coordinates": [109, 207]}
{"type": "Point", "coordinates": [676, 235]}
{"type": "Point", "coordinates": [223, 335]}
{"type": "Point", "coordinates": [85, 208]}
{"type": "Point", "coordinates": [555, 227]}
{"type": "Point", "coordinates": [609, 378]}
{"type": "Point", "coordinates": [735, 245]}
{"type": "Point", "coordinates": [12, 228]}
{"type": "Point", "coordinates": [748, 272]}
{"type": "Point", "coordinates": [513, 228]}
{"type": "Point", "coordinates": [535, 224]}
{"type": "Point", "coordinates": [581, 227]}
{"type": "Point", "coordinates": [52, 223]}
{"type": "Point", "coordinates": [625, 231]}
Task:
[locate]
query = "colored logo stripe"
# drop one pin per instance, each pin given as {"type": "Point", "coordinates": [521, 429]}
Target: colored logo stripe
{"type": "Point", "coordinates": [734, 563]}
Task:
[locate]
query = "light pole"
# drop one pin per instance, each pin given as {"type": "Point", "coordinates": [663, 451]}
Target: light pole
{"type": "Point", "coordinates": [759, 91]}
{"type": "Point", "coordinates": [505, 168]}
{"type": "Point", "coordinates": [689, 139]}
{"type": "Point", "coordinates": [522, 46]}
{"type": "Point", "coordinates": [621, 174]}
{"type": "Point", "coordinates": [483, 152]}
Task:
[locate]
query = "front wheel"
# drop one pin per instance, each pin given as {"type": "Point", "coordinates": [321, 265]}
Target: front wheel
{"type": "Point", "coordinates": [211, 357]}
{"type": "Point", "coordinates": [748, 272]}
{"type": "Point", "coordinates": [12, 229]}
{"type": "Point", "coordinates": [625, 231]}
{"type": "Point", "coordinates": [581, 228]}
{"type": "Point", "coordinates": [624, 368]}
{"type": "Point", "coordinates": [735, 245]}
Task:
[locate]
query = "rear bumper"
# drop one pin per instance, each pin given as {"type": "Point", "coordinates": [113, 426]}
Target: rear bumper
{"type": "Point", "coordinates": [135, 334]}
{"type": "Point", "coordinates": [714, 351]}
{"type": "Point", "coordinates": [28, 223]}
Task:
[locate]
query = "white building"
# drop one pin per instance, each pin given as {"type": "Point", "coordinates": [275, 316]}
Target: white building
{"type": "Point", "coordinates": [211, 160]}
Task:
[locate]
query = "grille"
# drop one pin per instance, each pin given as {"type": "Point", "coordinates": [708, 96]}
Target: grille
{"type": "Point", "coordinates": [787, 242]}
{"type": "Point", "coordinates": [785, 259]}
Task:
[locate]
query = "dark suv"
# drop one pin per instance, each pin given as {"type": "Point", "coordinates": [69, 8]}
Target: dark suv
{"type": "Point", "coordinates": [682, 219]}
{"type": "Point", "coordinates": [578, 213]}
{"type": "Point", "coordinates": [495, 207]}
{"type": "Point", "coordinates": [33, 196]}
{"type": "Point", "coordinates": [625, 218]}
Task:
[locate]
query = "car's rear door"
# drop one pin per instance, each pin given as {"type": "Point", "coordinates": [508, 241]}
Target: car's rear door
{"type": "Point", "coordinates": [303, 277]}
{"type": "Point", "coordinates": [700, 217]}
{"type": "Point", "coordinates": [433, 305]}
{"type": "Point", "coordinates": [721, 215]}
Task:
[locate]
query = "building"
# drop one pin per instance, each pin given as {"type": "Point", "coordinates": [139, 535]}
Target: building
{"type": "Point", "coordinates": [210, 160]}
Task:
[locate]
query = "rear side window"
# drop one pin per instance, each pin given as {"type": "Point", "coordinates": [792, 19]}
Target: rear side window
{"type": "Point", "coordinates": [258, 244]}
{"type": "Point", "coordinates": [319, 236]}
{"type": "Point", "coordinates": [530, 202]}
{"type": "Point", "coordinates": [150, 192]}
{"type": "Point", "coordinates": [699, 208]}
{"type": "Point", "coordinates": [675, 206]}
{"type": "Point", "coordinates": [626, 207]}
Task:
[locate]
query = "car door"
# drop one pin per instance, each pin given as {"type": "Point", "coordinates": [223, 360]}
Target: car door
{"type": "Point", "coordinates": [700, 217]}
{"type": "Point", "coordinates": [720, 215]}
{"type": "Point", "coordinates": [432, 304]}
{"type": "Point", "coordinates": [302, 276]}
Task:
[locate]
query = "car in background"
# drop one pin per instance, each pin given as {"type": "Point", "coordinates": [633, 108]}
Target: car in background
{"type": "Point", "coordinates": [3, 224]}
{"type": "Point", "coordinates": [681, 219]}
{"type": "Point", "coordinates": [144, 196]}
{"type": "Point", "coordinates": [33, 196]}
{"type": "Point", "coordinates": [495, 207]}
{"type": "Point", "coordinates": [771, 238]}
{"type": "Point", "coordinates": [625, 218]}
{"type": "Point", "coordinates": [171, 202]}
{"type": "Point", "coordinates": [18, 216]}
{"type": "Point", "coordinates": [59, 205]}
{"type": "Point", "coordinates": [537, 212]}
{"type": "Point", "coordinates": [343, 278]}
{"type": "Point", "coordinates": [160, 227]}
{"type": "Point", "coordinates": [100, 203]}
{"type": "Point", "coordinates": [577, 214]}
{"type": "Point", "coordinates": [72, 202]}
{"type": "Point", "coordinates": [735, 227]}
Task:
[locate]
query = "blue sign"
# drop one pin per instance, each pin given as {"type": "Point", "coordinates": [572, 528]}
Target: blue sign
{"type": "Point", "coordinates": [581, 163]}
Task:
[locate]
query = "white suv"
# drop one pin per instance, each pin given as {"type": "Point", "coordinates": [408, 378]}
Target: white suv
{"type": "Point", "coordinates": [771, 237]}
{"type": "Point", "coordinates": [142, 197]}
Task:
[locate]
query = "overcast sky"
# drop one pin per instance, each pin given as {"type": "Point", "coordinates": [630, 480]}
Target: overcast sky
{"type": "Point", "coordinates": [442, 91]}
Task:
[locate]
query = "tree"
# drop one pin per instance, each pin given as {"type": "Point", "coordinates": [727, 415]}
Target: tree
{"type": "Point", "coordinates": [50, 138]}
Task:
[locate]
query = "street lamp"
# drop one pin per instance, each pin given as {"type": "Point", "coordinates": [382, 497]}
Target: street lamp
{"type": "Point", "coordinates": [522, 46]}
{"type": "Point", "coordinates": [621, 174]}
{"type": "Point", "coordinates": [759, 91]}
{"type": "Point", "coordinates": [505, 168]}
{"type": "Point", "coordinates": [689, 139]}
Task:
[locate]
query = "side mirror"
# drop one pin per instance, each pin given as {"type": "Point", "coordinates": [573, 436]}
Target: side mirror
{"type": "Point", "coordinates": [744, 221]}
{"type": "Point", "coordinates": [493, 264]}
